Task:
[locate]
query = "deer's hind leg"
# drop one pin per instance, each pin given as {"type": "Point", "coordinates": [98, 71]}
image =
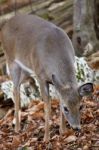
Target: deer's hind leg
{"type": "Point", "coordinates": [17, 76]}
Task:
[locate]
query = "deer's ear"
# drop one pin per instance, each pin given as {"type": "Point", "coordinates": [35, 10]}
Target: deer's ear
{"type": "Point", "coordinates": [85, 89]}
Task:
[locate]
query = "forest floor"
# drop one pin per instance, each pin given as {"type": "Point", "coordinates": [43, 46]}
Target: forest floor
{"type": "Point", "coordinates": [32, 128]}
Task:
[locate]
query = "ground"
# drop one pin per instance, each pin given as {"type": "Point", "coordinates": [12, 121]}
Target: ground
{"type": "Point", "coordinates": [32, 128]}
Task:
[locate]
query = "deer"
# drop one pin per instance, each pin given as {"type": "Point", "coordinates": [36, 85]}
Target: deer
{"type": "Point", "coordinates": [32, 44]}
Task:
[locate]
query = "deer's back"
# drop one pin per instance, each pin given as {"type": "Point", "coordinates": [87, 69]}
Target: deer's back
{"type": "Point", "coordinates": [37, 44]}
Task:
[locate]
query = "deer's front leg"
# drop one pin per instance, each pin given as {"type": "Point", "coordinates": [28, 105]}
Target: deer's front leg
{"type": "Point", "coordinates": [62, 121]}
{"type": "Point", "coordinates": [17, 110]}
{"type": "Point", "coordinates": [47, 109]}
{"type": "Point", "coordinates": [47, 119]}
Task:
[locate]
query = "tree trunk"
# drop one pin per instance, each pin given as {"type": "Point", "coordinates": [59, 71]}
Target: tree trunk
{"type": "Point", "coordinates": [96, 17]}
{"type": "Point", "coordinates": [85, 39]}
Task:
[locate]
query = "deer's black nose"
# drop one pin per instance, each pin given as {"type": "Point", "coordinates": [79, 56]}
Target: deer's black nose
{"type": "Point", "coordinates": [77, 129]}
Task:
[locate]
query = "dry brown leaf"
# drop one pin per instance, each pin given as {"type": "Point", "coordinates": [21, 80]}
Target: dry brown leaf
{"type": "Point", "coordinates": [55, 103]}
{"type": "Point", "coordinates": [68, 132]}
{"type": "Point", "coordinates": [7, 145]}
{"type": "Point", "coordinates": [38, 115]}
{"type": "Point", "coordinates": [2, 146]}
{"type": "Point", "coordinates": [55, 137]}
{"type": "Point", "coordinates": [89, 115]}
{"type": "Point", "coordinates": [32, 129]}
{"type": "Point", "coordinates": [91, 103]}
{"type": "Point", "coordinates": [40, 106]}
{"type": "Point", "coordinates": [86, 147]}
{"type": "Point", "coordinates": [71, 138]}
{"type": "Point", "coordinates": [16, 141]}
{"type": "Point", "coordinates": [33, 103]}
{"type": "Point", "coordinates": [36, 108]}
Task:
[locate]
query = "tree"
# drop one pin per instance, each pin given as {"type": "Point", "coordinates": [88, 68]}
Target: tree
{"type": "Point", "coordinates": [86, 27]}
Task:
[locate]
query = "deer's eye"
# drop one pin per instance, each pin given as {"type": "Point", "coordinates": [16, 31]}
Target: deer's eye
{"type": "Point", "coordinates": [66, 110]}
{"type": "Point", "coordinates": [81, 107]}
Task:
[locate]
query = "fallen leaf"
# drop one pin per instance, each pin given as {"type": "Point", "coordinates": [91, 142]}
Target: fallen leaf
{"type": "Point", "coordinates": [86, 147]}
{"type": "Point", "coordinates": [71, 138]}
{"type": "Point", "coordinates": [16, 141]}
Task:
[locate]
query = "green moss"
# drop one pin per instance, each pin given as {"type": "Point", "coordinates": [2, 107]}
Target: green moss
{"type": "Point", "coordinates": [0, 72]}
{"type": "Point", "coordinates": [45, 16]}
{"type": "Point", "coordinates": [3, 1]}
{"type": "Point", "coordinates": [1, 50]}
{"type": "Point", "coordinates": [80, 73]}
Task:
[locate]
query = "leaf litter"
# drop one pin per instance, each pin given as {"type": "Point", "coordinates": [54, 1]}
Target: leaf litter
{"type": "Point", "coordinates": [32, 128]}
